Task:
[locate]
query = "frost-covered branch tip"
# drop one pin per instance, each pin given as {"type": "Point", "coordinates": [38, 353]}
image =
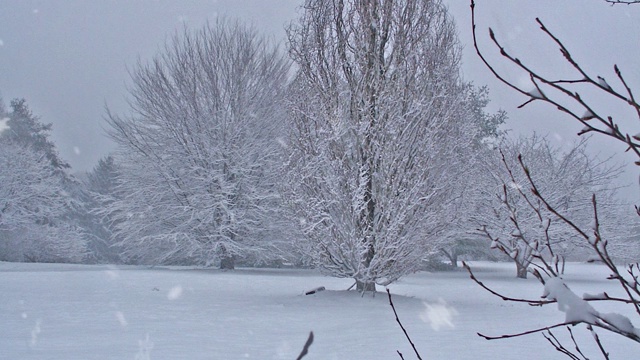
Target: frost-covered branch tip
{"type": "Point", "coordinates": [563, 95]}
{"type": "Point", "coordinates": [406, 334]}
{"type": "Point", "coordinates": [626, 2]}
{"type": "Point", "coordinates": [568, 98]}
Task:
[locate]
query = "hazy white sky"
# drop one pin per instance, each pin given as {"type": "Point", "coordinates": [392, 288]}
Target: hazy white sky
{"type": "Point", "coordinates": [69, 58]}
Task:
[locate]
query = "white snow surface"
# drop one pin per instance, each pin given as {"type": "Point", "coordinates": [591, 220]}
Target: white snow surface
{"type": "Point", "coordinates": [54, 311]}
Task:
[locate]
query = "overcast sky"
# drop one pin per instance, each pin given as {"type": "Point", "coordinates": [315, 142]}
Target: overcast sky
{"type": "Point", "coordinates": [69, 58]}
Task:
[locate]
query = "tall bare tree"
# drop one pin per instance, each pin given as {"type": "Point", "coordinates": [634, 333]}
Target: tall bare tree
{"type": "Point", "coordinates": [379, 129]}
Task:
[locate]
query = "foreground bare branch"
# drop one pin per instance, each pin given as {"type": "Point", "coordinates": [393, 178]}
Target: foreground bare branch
{"type": "Point", "coordinates": [406, 334]}
{"type": "Point", "coordinates": [566, 99]}
{"type": "Point", "coordinates": [307, 344]}
{"type": "Point", "coordinates": [592, 120]}
{"type": "Point", "coordinates": [626, 2]}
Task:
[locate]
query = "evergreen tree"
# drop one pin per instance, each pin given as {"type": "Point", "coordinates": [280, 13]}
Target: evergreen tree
{"type": "Point", "coordinates": [100, 192]}
{"type": "Point", "coordinates": [27, 130]}
{"type": "Point", "coordinates": [38, 210]}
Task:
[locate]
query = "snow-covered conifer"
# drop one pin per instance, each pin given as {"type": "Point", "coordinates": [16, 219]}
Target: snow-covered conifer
{"type": "Point", "coordinates": [100, 191]}
{"type": "Point", "coordinates": [34, 208]}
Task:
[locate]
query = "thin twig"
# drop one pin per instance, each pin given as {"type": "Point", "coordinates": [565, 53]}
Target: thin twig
{"type": "Point", "coordinates": [575, 343]}
{"type": "Point", "coordinates": [402, 327]}
{"type": "Point", "coordinates": [528, 332]}
{"type": "Point", "coordinates": [551, 338]}
{"type": "Point", "coordinates": [503, 297]}
{"type": "Point", "coordinates": [626, 2]}
{"type": "Point", "coordinates": [597, 340]}
{"type": "Point", "coordinates": [592, 122]}
{"type": "Point", "coordinates": [307, 344]}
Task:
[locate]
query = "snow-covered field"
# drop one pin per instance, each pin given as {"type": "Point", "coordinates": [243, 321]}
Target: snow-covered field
{"type": "Point", "coordinates": [57, 311]}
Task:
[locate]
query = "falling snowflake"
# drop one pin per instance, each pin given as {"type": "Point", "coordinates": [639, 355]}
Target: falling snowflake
{"type": "Point", "coordinates": [121, 319]}
{"type": "Point", "coordinates": [175, 293]}
{"type": "Point", "coordinates": [35, 332]}
{"type": "Point", "coordinates": [438, 315]}
{"type": "Point", "coordinates": [515, 186]}
{"type": "Point", "coordinates": [4, 123]}
{"type": "Point", "coordinates": [144, 349]}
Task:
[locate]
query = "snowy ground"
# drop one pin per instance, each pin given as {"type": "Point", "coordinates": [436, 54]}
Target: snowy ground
{"type": "Point", "coordinates": [101, 312]}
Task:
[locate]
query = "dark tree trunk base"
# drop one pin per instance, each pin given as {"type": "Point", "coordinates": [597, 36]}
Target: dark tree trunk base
{"type": "Point", "coordinates": [365, 286]}
{"type": "Point", "coordinates": [454, 262]}
{"type": "Point", "coordinates": [451, 256]}
{"type": "Point", "coordinates": [228, 263]}
{"type": "Point", "coordinates": [521, 271]}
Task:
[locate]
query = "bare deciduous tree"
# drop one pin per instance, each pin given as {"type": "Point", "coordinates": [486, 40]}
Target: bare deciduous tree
{"type": "Point", "coordinates": [523, 228]}
{"type": "Point", "coordinates": [379, 129]}
{"type": "Point", "coordinates": [199, 153]}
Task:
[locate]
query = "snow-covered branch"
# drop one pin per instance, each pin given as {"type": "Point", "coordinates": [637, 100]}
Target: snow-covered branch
{"type": "Point", "coordinates": [563, 95]}
{"type": "Point", "coordinates": [569, 101]}
{"type": "Point", "coordinates": [527, 228]}
{"type": "Point", "coordinates": [546, 268]}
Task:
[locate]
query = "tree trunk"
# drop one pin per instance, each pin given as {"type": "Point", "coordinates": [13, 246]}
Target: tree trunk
{"type": "Point", "coordinates": [227, 261]}
{"type": "Point", "coordinates": [452, 256]}
{"type": "Point", "coordinates": [521, 271]}
{"type": "Point", "coordinates": [365, 286]}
